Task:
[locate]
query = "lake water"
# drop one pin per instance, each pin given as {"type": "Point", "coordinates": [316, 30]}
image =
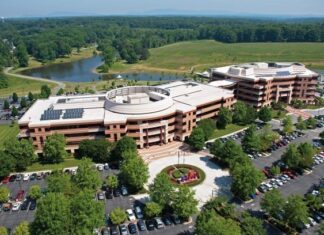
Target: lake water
{"type": "Point", "coordinates": [82, 71]}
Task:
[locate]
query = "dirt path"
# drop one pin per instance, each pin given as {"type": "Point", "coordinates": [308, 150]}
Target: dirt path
{"type": "Point", "coordinates": [59, 84]}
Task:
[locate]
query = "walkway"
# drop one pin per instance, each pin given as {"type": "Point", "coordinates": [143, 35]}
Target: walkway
{"type": "Point", "coordinates": [298, 112]}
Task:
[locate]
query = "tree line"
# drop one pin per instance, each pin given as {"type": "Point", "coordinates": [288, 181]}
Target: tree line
{"type": "Point", "coordinates": [131, 37]}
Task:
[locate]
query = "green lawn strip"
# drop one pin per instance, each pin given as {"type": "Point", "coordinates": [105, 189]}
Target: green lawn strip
{"type": "Point", "coordinates": [68, 162]}
{"type": "Point", "coordinates": [7, 132]}
{"type": "Point", "coordinates": [228, 130]}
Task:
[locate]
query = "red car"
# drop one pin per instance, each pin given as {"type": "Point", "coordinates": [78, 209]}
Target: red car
{"type": "Point", "coordinates": [6, 180]}
{"type": "Point", "coordinates": [20, 196]}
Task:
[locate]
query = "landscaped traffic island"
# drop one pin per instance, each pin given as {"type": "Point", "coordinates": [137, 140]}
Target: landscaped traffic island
{"type": "Point", "coordinates": [185, 174]}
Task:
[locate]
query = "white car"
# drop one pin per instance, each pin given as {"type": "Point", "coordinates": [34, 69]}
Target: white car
{"type": "Point", "coordinates": [100, 167]}
{"type": "Point", "coordinates": [279, 182]}
{"type": "Point", "coordinates": [26, 177]}
{"type": "Point", "coordinates": [15, 206]}
{"type": "Point", "coordinates": [130, 215]}
{"type": "Point", "coordinates": [312, 221]}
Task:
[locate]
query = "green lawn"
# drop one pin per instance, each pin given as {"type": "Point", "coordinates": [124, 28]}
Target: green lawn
{"type": "Point", "coordinates": [229, 129]}
{"type": "Point", "coordinates": [22, 86]}
{"type": "Point", "coordinates": [69, 162]}
{"type": "Point", "coordinates": [204, 54]}
{"type": "Point", "coordinates": [7, 132]}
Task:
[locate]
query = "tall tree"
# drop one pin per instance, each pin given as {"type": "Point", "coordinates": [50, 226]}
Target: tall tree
{"type": "Point", "coordinates": [7, 164]}
{"type": "Point", "coordinates": [21, 55]}
{"type": "Point", "coordinates": [288, 126]}
{"type": "Point", "coordinates": [251, 141]}
{"type": "Point", "coordinates": [125, 144]}
{"type": "Point", "coordinates": [118, 216]}
{"type": "Point", "coordinates": [265, 114]}
{"type": "Point", "coordinates": [197, 139]}
{"type": "Point", "coordinates": [252, 226]}
{"type": "Point", "coordinates": [152, 209]}
{"type": "Point", "coordinates": [6, 104]}
{"type": "Point", "coordinates": [14, 111]}
{"type": "Point", "coordinates": [307, 153]}
{"type": "Point", "coordinates": [98, 150]}
{"type": "Point", "coordinates": [301, 124]}
{"type": "Point", "coordinates": [54, 149]}
{"type": "Point", "coordinates": [273, 203]}
{"type": "Point", "coordinates": [53, 221]}
{"type": "Point", "coordinates": [3, 230]}
{"type": "Point", "coordinates": [23, 102]}
{"type": "Point", "coordinates": [35, 192]}
{"type": "Point", "coordinates": [59, 182]}
{"type": "Point", "coordinates": [267, 137]}
{"type": "Point", "coordinates": [87, 177]}
{"type": "Point", "coordinates": [208, 126]}
{"type": "Point", "coordinates": [4, 194]}
{"type": "Point", "coordinates": [295, 211]}
{"type": "Point", "coordinates": [87, 213]}
{"type": "Point", "coordinates": [45, 91]}
{"type": "Point", "coordinates": [22, 152]}
{"type": "Point", "coordinates": [184, 203]}
{"type": "Point", "coordinates": [30, 96]}
{"type": "Point", "coordinates": [224, 118]}
{"type": "Point", "coordinates": [134, 171]}
{"type": "Point", "coordinates": [22, 229]}
{"type": "Point", "coordinates": [112, 181]}
{"type": "Point", "coordinates": [14, 97]}
{"type": "Point", "coordinates": [161, 190]}
{"type": "Point", "coordinates": [292, 156]}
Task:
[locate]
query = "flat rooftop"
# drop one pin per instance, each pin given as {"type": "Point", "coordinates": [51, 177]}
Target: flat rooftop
{"type": "Point", "coordinates": [118, 105]}
{"type": "Point", "coordinates": [265, 70]}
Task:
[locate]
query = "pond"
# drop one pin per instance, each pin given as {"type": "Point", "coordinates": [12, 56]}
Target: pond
{"type": "Point", "coordinates": [83, 71]}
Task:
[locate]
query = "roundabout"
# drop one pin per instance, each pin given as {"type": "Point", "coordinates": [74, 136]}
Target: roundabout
{"type": "Point", "coordinates": [211, 179]}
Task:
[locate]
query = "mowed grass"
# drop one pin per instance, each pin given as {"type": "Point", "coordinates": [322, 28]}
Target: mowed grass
{"type": "Point", "coordinates": [203, 54]}
{"type": "Point", "coordinates": [7, 132]}
{"type": "Point", "coordinates": [22, 86]}
{"type": "Point", "coordinates": [68, 162]}
{"type": "Point", "coordinates": [229, 129]}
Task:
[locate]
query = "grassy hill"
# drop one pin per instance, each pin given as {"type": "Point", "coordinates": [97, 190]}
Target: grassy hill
{"type": "Point", "coordinates": [183, 56]}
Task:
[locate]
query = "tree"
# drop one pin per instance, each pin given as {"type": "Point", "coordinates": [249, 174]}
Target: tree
{"type": "Point", "coordinates": [251, 141]}
{"type": "Point", "coordinates": [98, 150]}
{"type": "Point", "coordinates": [22, 152]}
{"type": "Point", "coordinates": [288, 126]}
{"type": "Point", "coordinates": [14, 97]}
{"type": "Point", "coordinates": [307, 153]}
{"type": "Point", "coordinates": [197, 139]}
{"type": "Point", "coordinates": [87, 177]}
{"type": "Point", "coordinates": [59, 182]}
{"type": "Point", "coordinates": [14, 111]}
{"type": "Point", "coordinates": [134, 171]}
{"type": "Point", "coordinates": [320, 231]}
{"type": "Point", "coordinates": [125, 144]}
{"type": "Point", "coordinates": [30, 96]}
{"type": "Point", "coordinates": [265, 114]}
{"type": "Point", "coordinates": [275, 170]}
{"type": "Point", "coordinates": [35, 192]}
{"type": "Point", "coordinates": [273, 203]}
{"type": "Point", "coordinates": [208, 126]}
{"type": "Point", "coordinates": [152, 209]}
{"type": "Point", "coordinates": [7, 164]}
{"type": "Point", "coordinates": [221, 205]}
{"type": "Point", "coordinates": [295, 211]}
{"type": "Point", "coordinates": [87, 213]}
{"type": "Point", "coordinates": [4, 194]}
{"type": "Point", "coordinates": [301, 124]}
{"type": "Point", "coordinates": [22, 229]}
{"type": "Point", "coordinates": [6, 104]}
{"type": "Point", "coordinates": [321, 135]}
{"type": "Point", "coordinates": [291, 156]}
{"type": "Point", "coordinates": [23, 102]}
{"type": "Point", "coordinates": [3, 230]}
{"type": "Point", "coordinates": [246, 178]}
{"type": "Point", "coordinates": [54, 149]}
{"type": "Point", "coordinates": [45, 91]}
{"type": "Point", "coordinates": [311, 123]}
{"type": "Point", "coordinates": [60, 91]}
{"type": "Point", "coordinates": [252, 226]}
{"type": "Point", "coordinates": [267, 137]}
{"type": "Point", "coordinates": [239, 112]}
{"type": "Point", "coordinates": [112, 181]}
{"type": "Point", "coordinates": [21, 55]}
{"type": "Point", "coordinates": [209, 223]}
{"type": "Point", "coordinates": [224, 118]}
{"type": "Point", "coordinates": [53, 221]}
{"type": "Point", "coordinates": [161, 190]}
{"type": "Point", "coordinates": [184, 203]}
{"type": "Point", "coordinates": [118, 216]}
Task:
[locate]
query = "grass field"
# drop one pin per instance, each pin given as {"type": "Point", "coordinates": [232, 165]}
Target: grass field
{"type": "Point", "coordinates": [7, 132]}
{"type": "Point", "coordinates": [22, 86]}
{"type": "Point", "coordinates": [229, 129]}
{"type": "Point", "coordinates": [68, 162]}
{"type": "Point", "coordinates": [201, 55]}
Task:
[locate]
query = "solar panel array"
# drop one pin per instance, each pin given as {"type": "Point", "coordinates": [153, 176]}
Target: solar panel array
{"type": "Point", "coordinates": [73, 113]}
{"type": "Point", "coordinates": [51, 114]}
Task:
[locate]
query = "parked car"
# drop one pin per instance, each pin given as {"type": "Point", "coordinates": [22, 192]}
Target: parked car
{"type": "Point", "coordinates": [106, 166]}
{"type": "Point", "coordinates": [175, 219]}
{"type": "Point", "coordinates": [24, 205]}
{"type": "Point", "coordinates": [105, 231]}
{"type": "Point", "coordinates": [132, 228]}
{"type": "Point", "coordinates": [16, 206]}
{"type": "Point", "coordinates": [109, 194]}
{"type": "Point", "coordinates": [32, 205]}
{"type": "Point", "coordinates": [5, 180]}
{"type": "Point", "coordinates": [101, 196]}
{"type": "Point", "coordinates": [12, 178]}
{"type": "Point", "coordinates": [33, 176]}
{"type": "Point", "coordinates": [19, 177]}
{"type": "Point", "coordinates": [158, 223]}
{"type": "Point", "coordinates": [6, 206]}
{"type": "Point", "coordinates": [150, 225]}
{"type": "Point", "coordinates": [123, 229]}
{"type": "Point", "coordinates": [113, 230]}
{"type": "Point", "coordinates": [167, 220]}
{"type": "Point", "coordinates": [20, 196]}
{"type": "Point", "coordinates": [312, 221]}
{"type": "Point", "coordinates": [138, 212]}
{"type": "Point", "coordinates": [130, 215]}
{"type": "Point", "coordinates": [124, 191]}
{"type": "Point", "coordinates": [141, 225]}
{"type": "Point", "coordinates": [116, 193]}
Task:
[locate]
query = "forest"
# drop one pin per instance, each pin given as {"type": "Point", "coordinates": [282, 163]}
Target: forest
{"type": "Point", "coordinates": [129, 38]}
